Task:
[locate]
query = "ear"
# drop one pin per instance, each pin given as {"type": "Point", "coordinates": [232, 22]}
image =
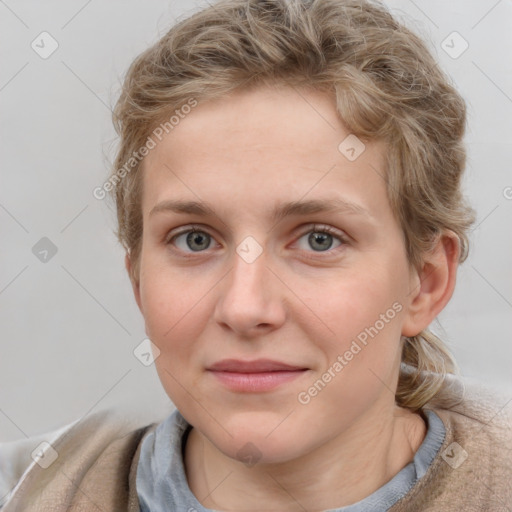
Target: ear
{"type": "Point", "coordinates": [135, 282]}
{"type": "Point", "coordinates": [433, 285]}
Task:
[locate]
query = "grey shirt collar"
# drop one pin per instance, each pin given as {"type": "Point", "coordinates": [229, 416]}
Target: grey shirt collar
{"type": "Point", "coordinates": [162, 484]}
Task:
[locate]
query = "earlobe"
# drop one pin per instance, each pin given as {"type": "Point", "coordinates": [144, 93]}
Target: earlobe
{"type": "Point", "coordinates": [135, 283]}
{"type": "Point", "coordinates": [436, 284]}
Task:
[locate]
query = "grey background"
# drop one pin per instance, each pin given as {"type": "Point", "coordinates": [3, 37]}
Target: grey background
{"type": "Point", "coordinates": [69, 326]}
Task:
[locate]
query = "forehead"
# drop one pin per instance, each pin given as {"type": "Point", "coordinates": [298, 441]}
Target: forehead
{"type": "Point", "coordinates": [263, 142]}
{"type": "Point", "coordinates": [278, 118]}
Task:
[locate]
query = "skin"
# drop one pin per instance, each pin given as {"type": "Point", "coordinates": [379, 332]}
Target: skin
{"type": "Point", "coordinates": [295, 303]}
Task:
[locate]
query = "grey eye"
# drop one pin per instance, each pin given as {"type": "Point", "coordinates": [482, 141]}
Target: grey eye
{"type": "Point", "coordinates": [320, 241]}
{"type": "Point", "coordinates": [195, 241]}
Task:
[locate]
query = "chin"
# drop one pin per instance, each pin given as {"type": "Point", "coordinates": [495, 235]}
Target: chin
{"type": "Point", "coordinates": [257, 442]}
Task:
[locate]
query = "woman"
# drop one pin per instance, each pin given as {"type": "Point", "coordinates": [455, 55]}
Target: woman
{"type": "Point", "coordinates": [313, 152]}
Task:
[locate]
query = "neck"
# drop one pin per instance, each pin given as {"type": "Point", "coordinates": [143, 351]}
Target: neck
{"type": "Point", "coordinates": [341, 472]}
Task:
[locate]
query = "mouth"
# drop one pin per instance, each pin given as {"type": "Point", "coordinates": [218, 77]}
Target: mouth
{"type": "Point", "coordinates": [254, 376]}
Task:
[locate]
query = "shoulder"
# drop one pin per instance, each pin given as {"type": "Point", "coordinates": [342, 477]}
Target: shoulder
{"type": "Point", "coordinates": [46, 468]}
{"type": "Point", "coordinates": [473, 468]}
{"type": "Point", "coordinates": [16, 457]}
{"type": "Point", "coordinates": [480, 430]}
{"type": "Point", "coordinates": [475, 408]}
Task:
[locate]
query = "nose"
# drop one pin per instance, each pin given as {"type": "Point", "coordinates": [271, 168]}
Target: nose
{"type": "Point", "coordinates": [251, 299]}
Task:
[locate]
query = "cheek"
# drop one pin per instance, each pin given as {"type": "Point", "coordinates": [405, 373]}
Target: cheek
{"type": "Point", "coordinates": [362, 359]}
{"type": "Point", "coordinates": [364, 310]}
{"type": "Point", "coordinates": [174, 319]}
{"type": "Point", "coordinates": [356, 301]}
{"type": "Point", "coordinates": [168, 298]}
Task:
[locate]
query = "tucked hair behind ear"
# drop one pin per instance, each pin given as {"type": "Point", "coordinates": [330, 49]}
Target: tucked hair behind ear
{"type": "Point", "coordinates": [385, 84]}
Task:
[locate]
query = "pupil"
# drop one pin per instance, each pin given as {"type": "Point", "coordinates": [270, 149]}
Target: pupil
{"type": "Point", "coordinates": [324, 240]}
{"type": "Point", "coordinates": [197, 238]}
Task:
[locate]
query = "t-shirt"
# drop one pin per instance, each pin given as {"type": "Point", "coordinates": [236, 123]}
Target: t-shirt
{"type": "Point", "coordinates": [162, 483]}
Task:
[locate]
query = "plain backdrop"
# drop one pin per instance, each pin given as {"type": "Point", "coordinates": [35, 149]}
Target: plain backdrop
{"type": "Point", "coordinates": [69, 325]}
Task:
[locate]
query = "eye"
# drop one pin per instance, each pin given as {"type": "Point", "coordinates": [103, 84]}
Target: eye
{"type": "Point", "coordinates": [318, 237]}
{"type": "Point", "coordinates": [321, 239]}
{"type": "Point", "coordinates": [194, 240]}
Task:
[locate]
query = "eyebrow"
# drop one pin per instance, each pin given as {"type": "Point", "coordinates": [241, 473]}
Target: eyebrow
{"type": "Point", "coordinates": [292, 208]}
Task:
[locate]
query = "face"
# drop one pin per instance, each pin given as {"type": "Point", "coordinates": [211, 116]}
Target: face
{"type": "Point", "coordinates": [273, 274]}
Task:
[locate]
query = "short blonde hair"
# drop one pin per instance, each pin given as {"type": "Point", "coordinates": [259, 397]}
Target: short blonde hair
{"type": "Point", "coordinates": [386, 85]}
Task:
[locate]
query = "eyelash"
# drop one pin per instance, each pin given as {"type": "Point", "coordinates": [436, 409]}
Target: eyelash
{"type": "Point", "coordinates": [315, 228]}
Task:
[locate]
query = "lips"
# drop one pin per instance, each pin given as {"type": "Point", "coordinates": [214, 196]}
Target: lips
{"type": "Point", "coordinates": [256, 366]}
{"type": "Point", "coordinates": [256, 376]}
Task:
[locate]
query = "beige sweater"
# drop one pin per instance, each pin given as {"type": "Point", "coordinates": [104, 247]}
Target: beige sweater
{"type": "Point", "coordinates": [97, 462]}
